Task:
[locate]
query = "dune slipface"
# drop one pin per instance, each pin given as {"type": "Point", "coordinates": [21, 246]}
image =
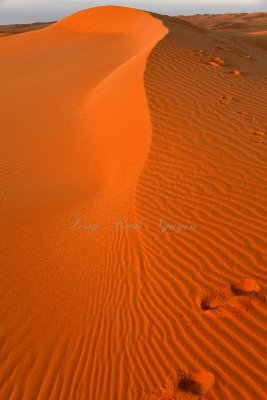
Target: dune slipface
{"type": "Point", "coordinates": [132, 199]}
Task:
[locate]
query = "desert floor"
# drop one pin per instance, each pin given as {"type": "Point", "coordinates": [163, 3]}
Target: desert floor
{"type": "Point", "coordinates": [133, 207]}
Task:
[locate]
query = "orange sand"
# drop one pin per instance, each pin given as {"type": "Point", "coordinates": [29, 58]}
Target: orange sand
{"type": "Point", "coordinates": [114, 114]}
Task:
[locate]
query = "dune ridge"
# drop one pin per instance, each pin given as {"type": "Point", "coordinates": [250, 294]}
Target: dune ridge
{"type": "Point", "coordinates": [133, 205]}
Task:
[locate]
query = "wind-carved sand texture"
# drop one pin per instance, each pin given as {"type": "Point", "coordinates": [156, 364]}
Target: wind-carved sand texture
{"type": "Point", "coordinates": [133, 210]}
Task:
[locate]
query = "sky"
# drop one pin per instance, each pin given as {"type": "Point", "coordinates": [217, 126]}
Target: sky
{"type": "Point", "coordinates": [23, 11]}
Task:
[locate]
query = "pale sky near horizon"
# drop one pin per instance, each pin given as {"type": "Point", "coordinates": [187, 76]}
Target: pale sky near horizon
{"type": "Point", "coordinates": [23, 11]}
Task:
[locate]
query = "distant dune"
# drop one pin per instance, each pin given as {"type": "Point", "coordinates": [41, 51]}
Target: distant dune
{"type": "Point", "coordinates": [241, 25]}
{"type": "Point", "coordinates": [6, 30]}
{"type": "Point", "coordinates": [230, 22]}
{"type": "Point", "coordinates": [133, 207]}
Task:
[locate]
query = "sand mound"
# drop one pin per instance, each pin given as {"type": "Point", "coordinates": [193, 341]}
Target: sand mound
{"type": "Point", "coordinates": [84, 76]}
{"type": "Point", "coordinates": [116, 21]}
{"type": "Point", "coordinates": [258, 137]}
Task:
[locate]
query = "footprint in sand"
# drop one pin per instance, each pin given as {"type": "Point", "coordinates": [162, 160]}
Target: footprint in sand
{"type": "Point", "coordinates": [230, 298]}
{"type": "Point", "coordinates": [226, 100]}
{"type": "Point", "coordinates": [217, 299]}
{"type": "Point", "coordinates": [212, 64]}
{"type": "Point", "coordinates": [215, 61]}
{"type": "Point", "coordinates": [219, 60]}
{"type": "Point", "coordinates": [198, 383]}
{"type": "Point", "coordinates": [246, 115]}
{"type": "Point", "coordinates": [257, 137]}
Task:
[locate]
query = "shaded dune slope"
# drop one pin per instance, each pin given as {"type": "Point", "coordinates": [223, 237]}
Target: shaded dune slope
{"type": "Point", "coordinates": [118, 314]}
{"type": "Point", "coordinates": [244, 22]}
{"type": "Point", "coordinates": [240, 26]}
{"type": "Point", "coordinates": [204, 169]}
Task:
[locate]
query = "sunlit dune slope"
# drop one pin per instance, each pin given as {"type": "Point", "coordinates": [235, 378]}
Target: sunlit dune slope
{"type": "Point", "coordinates": [62, 74]}
{"type": "Point", "coordinates": [75, 133]}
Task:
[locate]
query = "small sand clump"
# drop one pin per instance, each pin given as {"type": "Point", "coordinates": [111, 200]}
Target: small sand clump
{"type": "Point", "coordinates": [235, 74]}
{"type": "Point", "coordinates": [246, 287]}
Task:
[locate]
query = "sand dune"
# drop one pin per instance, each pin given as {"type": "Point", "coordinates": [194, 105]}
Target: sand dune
{"type": "Point", "coordinates": [133, 209]}
{"type": "Point", "coordinates": [250, 28]}
{"type": "Point", "coordinates": [6, 30]}
{"type": "Point", "coordinates": [230, 22]}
